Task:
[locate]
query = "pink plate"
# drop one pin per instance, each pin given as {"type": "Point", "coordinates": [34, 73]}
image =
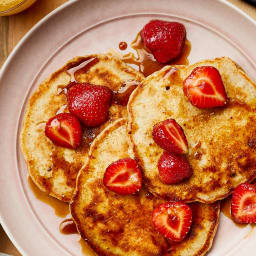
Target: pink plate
{"type": "Point", "coordinates": [215, 28]}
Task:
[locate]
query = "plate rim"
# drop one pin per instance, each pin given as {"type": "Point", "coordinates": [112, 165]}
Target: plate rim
{"type": "Point", "coordinates": [30, 34]}
{"type": "Point", "coordinates": [2, 71]}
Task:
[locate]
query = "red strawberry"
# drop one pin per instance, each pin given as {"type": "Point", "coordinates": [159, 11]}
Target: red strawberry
{"type": "Point", "coordinates": [123, 177]}
{"type": "Point", "coordinates": [90, 103]}
{"type": "Point", "coordinates": [170, 136]}
{"type": "Point", "coordinates": [243, 203]}
{"type": "Point", "coordinates": [164, 39]}
{"type": "Point", "coordinates": [173, 168]}
{"type": "Point", "coordinates": [173, 220]}
{"type": "Point", "coordinates": [204, 88]}
{"type": "Point", "coordinates": [64, 130]}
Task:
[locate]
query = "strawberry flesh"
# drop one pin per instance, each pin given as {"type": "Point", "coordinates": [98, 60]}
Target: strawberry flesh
{"type": "Point", "coordinates": [173, 168]}
{"type": "Point", "coordinates": [243, 203]}
{"type": "Point", "coordinates": [173, 220]}
{"type": "Point", "coordinates": [164, 39]}
{"type": "Point", "coordinates": [169, 136]}
{"type": "Point", "coordinates": [123, 177]}
{"type": "Point", "coordinates": [204, 88]}
{"type": "Point", "coordinates": [64, 130]}
{"type": "Point", "coordinates": [90, 103]}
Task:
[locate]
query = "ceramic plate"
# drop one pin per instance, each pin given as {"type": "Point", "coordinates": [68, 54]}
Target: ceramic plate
{"type": "Point", "coordinates": [214, 28]}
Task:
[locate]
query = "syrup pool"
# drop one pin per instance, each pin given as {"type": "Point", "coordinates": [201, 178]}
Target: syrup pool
{"type": "Point", "coordinates": [145, 60]}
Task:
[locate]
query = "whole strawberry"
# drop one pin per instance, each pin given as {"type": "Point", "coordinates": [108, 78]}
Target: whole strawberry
{"type": "Point", "coordinates": [173, 168]}
{"type": "Point", "coordinates": [90, 103]}
{"type": "Point", "coordinates": [164, 39]}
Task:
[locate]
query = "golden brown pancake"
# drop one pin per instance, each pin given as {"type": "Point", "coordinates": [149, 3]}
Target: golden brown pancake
{"type": "Point", "coordinates": [52, 168]}
{"type": "Point", "coordinates": [120, 225]}
{"type": "Point", "coordinates": [222, 141]}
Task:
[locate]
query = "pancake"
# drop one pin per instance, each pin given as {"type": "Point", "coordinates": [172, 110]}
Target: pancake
{"type": "Point", "coordinates": [122, 225]}
{"type": "Point", "coordinates": [52, 168]}
{"type": "Point", "coordinates": [221, 141]}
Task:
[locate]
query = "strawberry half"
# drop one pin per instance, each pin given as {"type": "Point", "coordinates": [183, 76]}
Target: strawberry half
{"type": "Point", "coordinates": [173, 168]}
{"type": "Point", "coordinates": [204, 88]}
{"type": "Point", "coordinates": [170, 136]}
{"type": "Point", "coordinates": [64, 130]}
{"type": "Point", "coordinates": [90, 103]}
{"type": "Point", "coordinates": [164, 39]}
{"type": "Point", "coordinates": [243, 203]}
{"type": "Point", "coordinates": [173, 220]}
{"type": "Point", "coordinates": [123, 177]}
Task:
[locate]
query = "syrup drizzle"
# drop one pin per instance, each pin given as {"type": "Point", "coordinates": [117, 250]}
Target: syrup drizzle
{"type": "Point", "coordinates": [68, 227]}
{"type": "Point", "coordinates": [122, 46]}
{"type": "Point", "coordinates": [90, 134]}
{"type": "Point", "coordinates": [82, 67]}
{"type": "Point", "coordinates": [61, 209]}
{"type": "Point", "coordinates": [146, 62]}
{"type": "Point", "coordinates": [170, 73]}
{"type": "Point", "coordinates": [122, 95]}
{"type": "Point", "coordinates": [149, 196]}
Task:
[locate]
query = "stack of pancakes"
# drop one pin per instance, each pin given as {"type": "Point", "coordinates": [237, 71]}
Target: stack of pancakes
{"type": "Point", "coordinates": [222, 144]}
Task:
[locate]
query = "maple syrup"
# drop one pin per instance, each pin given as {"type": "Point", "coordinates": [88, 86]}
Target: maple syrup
{"type": "Point", "coordinates": [81, 67]}
{"type": "Point", "coordinates": [146, 62]}
{"type": "Point", "coordinates": [61, 209]}
{"type": "Point", "coordinates": [122, 95]}
{"type": "Point", "coordinates": [149, 196]}
{"type": "Point", "coordinates": [225, 207]}
{"type": "Point", "coordinates": [122, 46]}
{"type": "Point", "coordinates": [90, 134]}
{"type": "Point", "coordinates": [68, 227]}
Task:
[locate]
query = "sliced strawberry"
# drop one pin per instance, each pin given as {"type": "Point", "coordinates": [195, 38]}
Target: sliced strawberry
{"type": "Point", "coordinates": [123, 177]}
{"type": "Point", "coordinates": [170, 136]}
{"type": "Point", "coordinates": [173, 168]}
{"type": "Point", "coordinates": [90, 103]}
{"type": "Point", "coordinates": [173, 220]}
{"type": "Point", "coordinates": [243, 203]}
{"type": "Point", "coordinates": [164, 39]}
{"type": "Point", "coordinates": [204, 88]}
{"type": "Point", "coordinates": [64, 130]}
